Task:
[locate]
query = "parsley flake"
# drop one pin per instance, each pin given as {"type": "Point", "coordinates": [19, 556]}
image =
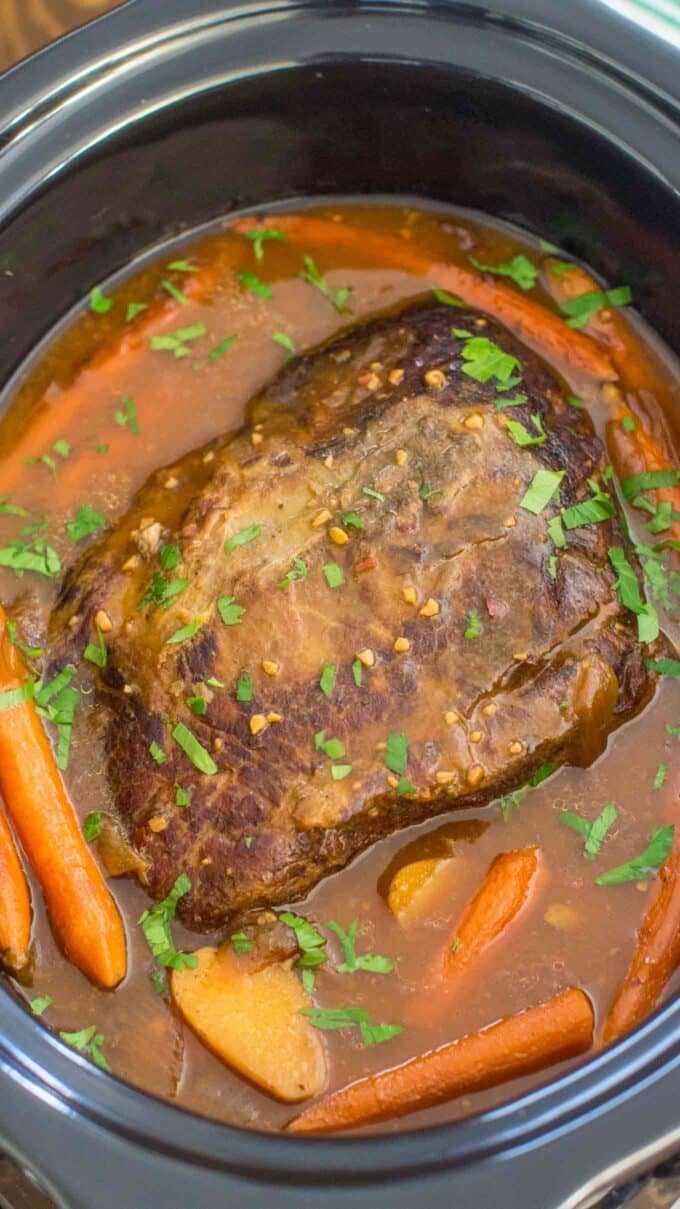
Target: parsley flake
{"type": "Point", "coordinates": [243, 538]}
{"type": "Point", "coordinates": [126, 416]}
{"type": "Point", "coordinates": [285, 342]}
{"type": "Point", "coordinates": [333, 574]}
{"type": "Point", "coordinates": [544, 485]}
{"type": "Point", "coordinates": [582, 308]}
{"type": "Point", "coordinates": [298, 571]}
{"type": "Point", "coordinates": [87, 520]}
{"type": "Point", "coordinates": [230, 612]}
{"type": "Point", "coordinates": [262, 234]}
{"type": "Point", "coordinates": [371, 963]}
{"type": "Point", "coordinates": [252, 282]}
{"type": "Point", "coordinates": [99, 303]}
{"type": "Point", "coordinates": [474, 625]}
{"type": "Point", "coordinates": [327, 678]}
{"type": "Point", "coordinates": [519, 269]}
{"type": "Point", "coordinates": [337, 298]}
{"type": "Point", "coordinates": [595, 831]}
{"type": "Point", "coordinates": [654, 855]}
{"type": "Point", "coordinates": [92, 825]}
{"type": "Point", "coordinates": [155, 923]}
{"type": "Point", "coordinates": [88, 1041]}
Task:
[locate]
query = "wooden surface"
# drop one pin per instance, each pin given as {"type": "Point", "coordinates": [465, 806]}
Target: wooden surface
{"type": "Point", "coordinates": [27, 24]}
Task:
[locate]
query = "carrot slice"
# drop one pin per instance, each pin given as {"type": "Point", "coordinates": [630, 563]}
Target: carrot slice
{"type": "Point", "coordinates": [81, 908]}
{"type": "Point", "coordinates": [546, 332]}
{"type": "Point", "coordinates": [496, 904]}
{"type": "Point", "coordinates": [15, 902]}
{"type": "Point", "coordinates": [560, 1028]}
{"type": "Point", "coordinates": [656, 955]}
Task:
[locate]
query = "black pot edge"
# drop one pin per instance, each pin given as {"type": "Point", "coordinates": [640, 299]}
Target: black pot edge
{"type": "Point", "coordinates": [359, 1154]}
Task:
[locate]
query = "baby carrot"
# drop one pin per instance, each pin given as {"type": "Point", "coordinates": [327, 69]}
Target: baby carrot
{"type": "Point", "coordinates": [15, 902]}
{"type": "Point", "coordinates": [635, 450]}
{"type": "Point", "coordinates": [496, 904]}
{"type": "Point", "coordinates": [560, 1028]}
{"type": "Point", "coordinates": [546, 332]}
{"type": "Point", "coordinates": [656, 955]}
{"type": "Point", "coordinates": [83, 913]}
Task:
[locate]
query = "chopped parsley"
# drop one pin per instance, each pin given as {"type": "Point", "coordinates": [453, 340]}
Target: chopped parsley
{"type": "Point", "coordinates": [426, 492]}
{"type": "Point", "coordinates": [96, 652]}
{"type": "Point", "coordinates": [333, 574]}
{"type": "Point", "coordinates": [552, 566]}
{"type": "Point", "coordinates": [396, 758]}
{"type": "Point", "coordinates": [260, 235]}
{"type": "Point", "coordinates": [649, 481]}
{"type": "Point", "coordinates": [485, 360]}
{"type": "Point", "coordinates": [88, 1041]}
{"type": "Point", "coordinates": [333, 748]}
{"type": "Point", "coordinates": [446, 298]}
{"type": "Point", "coordinates": [244, 538]}
{"type": "Point", "coordinates": [660, 776]}
{"type": "Point", "coordinates": [230, 612]}
{"type": "Point", "coordinates": [92, 825]}
{"type": "Point", "coordinates": [297, 571]}
{"type": "Point", "coordinates": [223, 347]}
{"type": "Point", "coordinates": [155, 923]}
{"type": "Point", "coordinates": [341, 1018]}
{"type": "Point", "coordinates": [182, 266]}
{"type": "Point", "coordinates": [200, 758]}
{"type": "Point", "coordinates": [590, 512]}
{"type": "Point", "coordinates": [285, 342]}
{"type": "Point", "coordinates": [575, 402]}
{"type": "Point", "coordinates": [370, 962]}
{"type": "Point", "coordinates": [183, 633]}
{"type": "Point", "coordinates": [594, 831]}
{"type": "Point", "coordinates": [57, 702]}
{"type": "Point", "coordinates": [156, 752]}
{"type": "Point", "coordinates": [126, 416]}
{"type": "Point", "coordinates": [474, 625]}
{"type": "Point", "coordinates": [353, 519]}
{"type": "Point", "coordinates": [579, 310]}
{"type": "Point", "coordinates": [327, 678]}
{"type": "Point", "coordinates": [510, 401]}
{"type": "Point", "coordinates": [197, 705]}
{"type": "Point", "coordinates": [11, 697]}
{"type": "Point", "coordinates": [99, 303]}
{"type": "Point", "coordinates": [510, 801]}
{"type": "Point", "coordinates": [182, 797]}
{"type": "Point", "coordinates": [252, 282]}
{"type": "Point", "coordinates": [522, 436]}
{"type": "Point", "coordinates": [12, 509]}
{"type": "Point", "coordinates": [665, 667]}
{"type": "Point", "coordinates": [337, 298]}
{"type": "Point", "coordinates": [35, 556]}
{"type": "Point", "coordinates": [310, 942]}
{"type": "Point", "coordinates": [357, 672]}
{"type": "Point", "coordinates": [640, 867]}
{"type": "Point", "coordinates": [544, 485]}
{"type": "Point", "coordinates": [628, 424]}
{"type": "Point", "coordinates": [174, 292]}
{"type": "Point", "coordinates": [240, 942]}
{"type": "Point", "coordinates": [87, 520]}
{"type": "Point", "coordinates": [163, 591]}
{"type": "Point", "coordinates": [176, 342]}
{"type": "Point", "coordinates": [40, 1004]}
{"type": "Point", "coordinates": [340, 771]}
{"type": "Point", "coordinates": [31, 652]}
{"type": "Point", "coordinates": [134, 309]}
{"type": "Point", "coordinates": [629, 594]}
{"type": "Point", "coordinates": [244, 687]}
{"type": "Point", "coordinates": [373, 494]}
{"type": "Point", "coordinates": [170, 557]}
{"type": "Point", "coordinates": [519, 269]}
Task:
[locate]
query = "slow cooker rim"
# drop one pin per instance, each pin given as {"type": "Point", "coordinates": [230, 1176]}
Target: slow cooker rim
{"type": "Point", "coordinates": [377, 1157]}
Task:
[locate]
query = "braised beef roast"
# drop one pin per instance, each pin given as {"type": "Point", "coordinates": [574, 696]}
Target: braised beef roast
{"type": "Point", "coordinates": [377, 628]}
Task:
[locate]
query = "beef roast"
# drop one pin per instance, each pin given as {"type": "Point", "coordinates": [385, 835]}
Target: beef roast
{"type": "Point", "coordinates": [358, 562]}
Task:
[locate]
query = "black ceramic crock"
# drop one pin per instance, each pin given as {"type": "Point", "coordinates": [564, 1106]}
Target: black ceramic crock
{"type": "Point", "coordinates": [554, 114]}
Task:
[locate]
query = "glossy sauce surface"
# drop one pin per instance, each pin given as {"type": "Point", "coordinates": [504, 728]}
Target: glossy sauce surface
{"type": "Point", "coordinates": [573, 932]}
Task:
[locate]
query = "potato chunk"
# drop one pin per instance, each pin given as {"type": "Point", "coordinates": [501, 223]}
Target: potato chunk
{"type": "Point", "coordinates": [413, 888]}
{"type": "Point", "coordinates": [252, 1022]}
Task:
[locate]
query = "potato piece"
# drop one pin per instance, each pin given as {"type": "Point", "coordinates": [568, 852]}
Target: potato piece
{"type": "Point", "coordinates": [251, 1021]}
{"type": "Point", "coordinates": [413, 887]}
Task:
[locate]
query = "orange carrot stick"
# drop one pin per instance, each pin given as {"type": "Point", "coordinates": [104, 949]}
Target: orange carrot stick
{"type": "Point", "coordinates": [656, 955]}
{"type": "Point", "coordinates": [81, 908]}
{"type": "Point", "coordinates": [517, 1045]}
{"type": "Point", "coordinates": [639, 450]}
{"type": "Point", "coordinates": [544, 331]}
{"type": "Point", "coordinates": [15, 902]}
{"type": "Point", "coordinates": [496, 904]}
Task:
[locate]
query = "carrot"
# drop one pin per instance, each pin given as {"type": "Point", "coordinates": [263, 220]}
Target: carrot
{"type": "Point", "coordinates": [15, 902]}
{"type": "Point", "coordinates": [546, 332]}
{"type": "Point", "coordinates": [656, 955]}
{"type": "Point", "coordinates": [639, 450]}
{"type": "Point", "coordinates": [496, 904]}
{"type": "Point", "coordinates": [83, 913]}
{"type": "Point", "coordinates": [551, 1032]}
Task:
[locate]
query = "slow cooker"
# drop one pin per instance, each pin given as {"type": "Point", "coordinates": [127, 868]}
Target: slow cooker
{"type": "Point", "coordinates": [553, 114]}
